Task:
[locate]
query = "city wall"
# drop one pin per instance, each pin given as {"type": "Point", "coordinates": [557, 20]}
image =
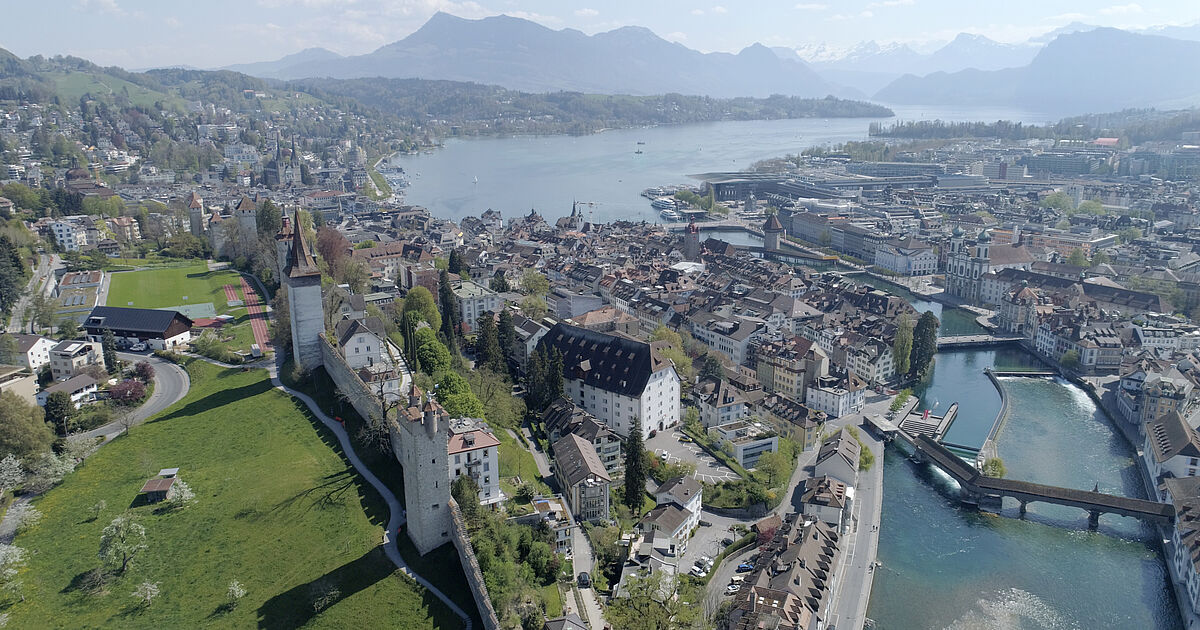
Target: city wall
{"type": "Point", "coordinates": [470, 567]}
{"type": "Point", "coordinates": [348, 384]}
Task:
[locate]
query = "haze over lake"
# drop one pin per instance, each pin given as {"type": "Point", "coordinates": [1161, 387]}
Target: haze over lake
{"type": "Point", "coordinates": [546, 173]}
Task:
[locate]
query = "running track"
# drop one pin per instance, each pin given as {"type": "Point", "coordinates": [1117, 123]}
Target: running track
{"type": "Point", "coordinates": [258, 317]}
{"type": "Point", "coordinates": [229, 294]}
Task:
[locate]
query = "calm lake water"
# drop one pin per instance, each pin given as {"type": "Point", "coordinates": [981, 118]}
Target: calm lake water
{"type": "Point", "coordinates": [547, 173]}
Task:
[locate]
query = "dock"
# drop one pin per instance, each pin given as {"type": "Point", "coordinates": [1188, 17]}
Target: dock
{"type": "Point", "coordinates": [928, 424]}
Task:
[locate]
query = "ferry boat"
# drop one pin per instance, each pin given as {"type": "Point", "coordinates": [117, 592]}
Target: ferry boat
{"type": "Point", "coordinates": [671, 215]}
{"type": "Point", "coordinates": [638, 152]}
{"type": "Point", "coordinates": [663, 203]}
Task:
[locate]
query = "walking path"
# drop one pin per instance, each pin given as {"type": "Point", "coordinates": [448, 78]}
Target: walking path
{"type": "Point", "coordinates": [397, 516]}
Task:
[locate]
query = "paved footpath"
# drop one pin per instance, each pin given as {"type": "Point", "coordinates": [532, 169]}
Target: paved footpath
{"type": "Point", "coordinates": [396, 519]}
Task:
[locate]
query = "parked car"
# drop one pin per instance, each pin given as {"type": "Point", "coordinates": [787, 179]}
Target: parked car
{"type": "Point", "coordinates": [727, 541]}
{"type": "Point", "coordinates": [685, 439]}
{"type": "Point", "coordinates": [708, 562]}
{"type": "Point", "coordinates": [137, 347]}
{"type": "Point", "coordinates": [585, 580]}
{"type": "Point", "coordinates": [704, 523]}
{"type": "Point", "coordinates": [653, 432]}
{"type": "Point", "coordinates": [745, 567]}
{"type": "Point", "coordinates": [732, 588]}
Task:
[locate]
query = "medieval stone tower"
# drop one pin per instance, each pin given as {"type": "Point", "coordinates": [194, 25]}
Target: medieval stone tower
{"type": "Point", "coordinates": [283, 245]}
{"type": "Point", "coordinates": [303, 278]}
{"type": "Point", "coordinates": [246, 214]}
{"type": "Point", "coordinates": [195, 215]}
{"type": "Point", "coordinates": [772, 230]}
{"type": "Point", "coordinates": [419, 437]}
{"type": "Point", "coordinates": [691, 243]}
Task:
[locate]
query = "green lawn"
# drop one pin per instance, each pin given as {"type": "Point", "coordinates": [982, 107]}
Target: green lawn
{"type": "Point", "coordinates": [516, 460]}
{"type": "Point", "coordinates": [554, 600]}
{"type": "Point", "coordinates": [159, 288]}
{"type": "Point", "coordinates": [277, 508]}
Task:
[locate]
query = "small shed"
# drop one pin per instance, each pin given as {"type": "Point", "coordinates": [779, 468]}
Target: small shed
{"type": "Point", "coordinates": [158, 488]}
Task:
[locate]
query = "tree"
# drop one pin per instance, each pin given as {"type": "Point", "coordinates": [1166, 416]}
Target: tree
{"type": "Point", "coordinates": [924, 343]}
{"type": "Point", "coordinates": [1059, 201]}
{"type": "Point", "coordinates": [455, 265]}
{"type": "Point", "coordinates": [109, 346]}
{"type": "Point", "coordinates": [41, 311]}
{"type": "Point", "coordinates": [499, 284]}
{"type": "Point", "coordinates": [635, 469]}
{"type": "Point", "coordinates": [434, 357]}
{"type": "Point", "coordinates": [711, 367]}
{"type": "Point", "coordinates": [994, 467]}
{"type": "Point", "coordinates": [23, 516]}
{"type": "Point", "coordinates": [128, 392]}
{"type": "Point", "coordinates": [269, 219]}
{"type": "Point", "coordinates": [1091, 206]}
{"type": "Point", "coordinates": [1070, 360]}
{"type": "Point", "coordinates": [12, 473]}
{"type": "Point", "coordinates": [533, 307]}
{"type": "Point", "coordinates": [23, 429]}
{"type": "Point", "coordinates": [466, 494]}
{"type": "Point", "coordinates": [59, 411]}
{"type": "Point", "coordinates": [448, 305]}
{"type": "Point", "coordinates": [1129, 234]}
{"type": "Point", "coordinates": [12, 558]}
{"type": "Point", "coordinates": [488, 352]}
{"type": "Point", "coordinates": [902, 345]}
{"type": "Point", "coordinates": [642, 609]}
{"type": "Point", "coordinates": [97, 509]}
{"type": "Point", "coordinates": [122, 540]}
{"type": "Point", "coordinates": [332, 246]}
{"type": "Point", "coordinates": [1077, 258]}
{"type": "Point", "coordinates": [775, 465]}
{"type": "Point", "coordinates": [144, 371]}
{"type": "Point", "coordinates": [10, 350]}
{"type": "Point", "coordinates": [181, 495]}
{"type": "Point", "coordinates": [235, 593]}
{"type": "Point", "coordinates": [534, 283]}
{"type": "Point", "coordinates": [420, 301]}
{"type": "Point", "coordinates": [146, 592]}
{"type": "Point", "coordinates": [68, 328]}
{"type": "Point", "coordinates": [506, 332]}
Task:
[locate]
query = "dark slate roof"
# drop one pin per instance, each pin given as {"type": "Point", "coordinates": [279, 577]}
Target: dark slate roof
{"type": "Point", "coordinates": [569, 622]}
{"type": "Point", "coordinates": [616, 364]}
{"type": "Point", "coordinates": [668, 517]}
{"type": "Point", "coordinates": [300, 262]}
{"type": "Point", "coordinates": [1170, 435]}
{"type": "Point", "coordinates": [577, 460]}
{"type": "Point", "coordinates": [347, 328]}
{"type": "Point", "coordinates": [772, 224]}
{"type": "Point", "coordinates": [683, 486]}
{"type": "Point", "coordinates": [148, 320]}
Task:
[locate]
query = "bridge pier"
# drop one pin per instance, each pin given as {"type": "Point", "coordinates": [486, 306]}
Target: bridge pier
{"type": "Point", "coordinates": [1093, 520]}
{"type": "Point", "coordinates": [1023, 506]}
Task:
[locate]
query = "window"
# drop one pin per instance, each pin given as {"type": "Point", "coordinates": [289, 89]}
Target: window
{"type": "Point", "coordinates": [458, 459]}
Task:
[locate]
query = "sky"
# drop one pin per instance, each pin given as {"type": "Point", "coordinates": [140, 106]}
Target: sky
{"type": "Point", "coordinates": [138, 34]}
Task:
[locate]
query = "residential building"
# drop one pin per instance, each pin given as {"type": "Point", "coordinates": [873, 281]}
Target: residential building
{"type": "Point", "coordinates": [158, 329]}
{"type": "Point", "coordinates": [69, 236]}
{"type": "Point", "coordinates": [82, 389]}
{"type": "Point", "coordinates": [474, 300]}
{"type": "Point", "coordinates": [719, 402]}
{"type": "Point", "coordinates": [789, 368]}
{"type": "Point", "coordinates": [582, 477]}
{"type": "Point", "coordinates": [474, 451]}
{"type": "Point", "coordinates": [793, 588]}
{"type": "Point", "coordinates": [907, 257]}
{"type": "Point", "coordinates": [563, 416]}
{"type": "Point", "coordinates": [33, 351]}
{"type": "Point", "coordinates": [69, 356]}
{"type": "Point", "coordinates": [745, 441]}
{"type": "Point", "coordinates": [623, 382]}
{"type": "Point", "coordinates": [828, 500]}
{"type": "Point", "coordinates": [687, 494]}
{"type": "Point", "coordinates": [362, 342]}
{"type": "Point", "coordinates": [552, 511]}
{"type": "Point", "coordinates": [1183, 550]}
{"type": "Point", "coordinates": [1172, 448]}
{"type": "Point", "coordinates": [838, 458]}
{"type": "Point", "coordinates": [837, 396]}
{"type": "Point", "coordinates": [795, 421]}
{"type": "Point", "coordinates": [670, 521]}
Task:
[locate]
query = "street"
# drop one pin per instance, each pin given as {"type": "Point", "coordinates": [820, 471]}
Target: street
{"type": "Point", "coordinates": [47, 263]}
{"type": "Point", "coordinates": [170, 385]}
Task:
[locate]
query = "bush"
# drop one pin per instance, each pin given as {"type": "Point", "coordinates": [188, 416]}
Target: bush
{"type": "Point", "coordinates": [173, 357]}
{"type": "Point", "coordinates": [144, 371]}
{"type": "Point", "coordinates": [208, 345]}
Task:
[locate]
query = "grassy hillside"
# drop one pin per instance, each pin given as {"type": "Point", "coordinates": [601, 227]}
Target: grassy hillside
{"type": "Point", "coordinates": [277, 509]}
{"type": "Point", "coordinates": [72, 85]}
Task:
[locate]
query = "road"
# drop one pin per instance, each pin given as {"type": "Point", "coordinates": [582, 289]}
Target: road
{"type": "Point", "coordinates": [171, 384]}
{"type": "Point", "coordinates": [855, 575]}
{"type": "Point", "coordinates": [47, 263]}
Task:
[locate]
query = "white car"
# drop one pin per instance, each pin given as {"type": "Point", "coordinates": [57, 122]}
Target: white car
{"type": "Point", "coordinates": [698, 572]}
{"type": "Point", "coordinates": [732, 588]}
{"type": "Point", "coordinates": [137, 347]}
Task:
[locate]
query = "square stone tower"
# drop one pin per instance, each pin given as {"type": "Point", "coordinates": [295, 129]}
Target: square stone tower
{"type": "Point", "coordinates": [420, 434]}
{"type": "Point", "coordinates": [303, 278]}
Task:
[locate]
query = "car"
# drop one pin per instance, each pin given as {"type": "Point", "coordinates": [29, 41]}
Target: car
{"type": "Point", "coordinates": [704, 523]}
{"type": "Point", "coordinates": [137, 347]}
{"type": "Point", "coordinates": [727, 541]}
{"type": "Point", "coordinates": [745, 567]}
{"type": "Point", "coordinates": [732, 588]}
{"type": "Point", "coordinates": [698, 572]}
{"type": "Point", "coordinates": [686, 440]}
{"type": "Point", "coordinates": [585, 580]}
{"type": "Point", "coordinates": [653, 432]}
{"type": "Point", "coordinates": [708, 562]}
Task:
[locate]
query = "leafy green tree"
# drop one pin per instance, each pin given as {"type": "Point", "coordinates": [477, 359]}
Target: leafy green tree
{"type": "Point", "coordinates": [1070, 360]}
{"type": "Point", "coordinates": [1129, 234]}
{"type": "Point", "coordinates": [534, 283]}
{"type": "Point", "coordinates": [367, 244]}
{"type": "Point", "coordinates": [68, 328]}
{"type": "Point", "coordinates": [924, 343]}
{"type": "Point", "coordinates": [10, 350]}
{"type": "Point", "coordinates": [434, 357]}
{"type": "Point", "coordinates": [59, 411]}
{"type": "Point", "coordinates": [776, 466]}
{"type": "Point", "coordinates": [711, 368]}
{"type": "Point", "coordinates": [506, 332]}
{"type": "Point", "coordinates": [1092, 207]}
{"type": "Point", "coordinates": [109, 346]}
{"type": "Point", "coordinates": [533, 307]}
{"type": "Point", "coordinates": [487, 344]}
{"type": "Point", "coordinates": [994, 467]}
{"type": "Point", "coordinates": [499, 284]}
{"type": "Point", "coordinates": [1077, 258]}
{"type": "Point", "coordinates": [902, 345]}
{"type": "Point", "coordinates": [1058, 201]}
{"type": "Point", "coordinates": [269, 219]}
{"type": "Point", "coordinates": [635, 469]}
{"type": "Point", "coordinates": [455, 264]}
{"type": "Point", "coordinates": [449, 308]}
{"type": "Point", "coordinates": [466, 494]}
{"type": "Point", "coordinates": [23, 428]}
{"type": "Point", "coordinates": [420, 301]}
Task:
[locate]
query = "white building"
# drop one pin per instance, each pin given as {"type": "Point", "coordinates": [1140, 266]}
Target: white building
{"type": "Point", "coordinates": [745, 441]}
{"type": "Point", "coordinates": [908, 257]}
{"type": "Point", "coordinates": [70, 237]}
{"type": "Point", "coordinates": [621, 381]}
{"type": "Point", "coordinates": [473, 301]}
{"type": "Point", "coordinates": [719, 403]}
{"type": "Point", "coordinates": [33, 351]}
{"type": "Point", "coordinates": [685, 492]}
{"type": "Point", "coordinates": [474, 451]}
{"type": "Point", "coordinates": [82, 389]}
{"type": "Point", "coordinates": [837, 397]}
{"type": "Point", "coordinates": [1172, 448]}
{"type": "Point", "coordinates": [69, 356]}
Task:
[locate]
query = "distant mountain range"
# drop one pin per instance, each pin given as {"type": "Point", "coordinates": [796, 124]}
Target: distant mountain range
{"type": "Point", "coordinates": [523, 55]}
{"type": "Point", "coordinates": [1074, 69]}
{"type": "Point", "coordinates": [1102, 69]}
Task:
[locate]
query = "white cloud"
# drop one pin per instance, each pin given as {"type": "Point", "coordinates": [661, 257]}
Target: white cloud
{"type": "Point", "coordinates": [719, 9]}
{"type": "Point", "coordinates": [1122, 9]}
{"type": "Point", "coordinates": [103, 6]}
{"type": "Point", "coordinates": [172, 21]}
{"type": "Point", "coordinates": [838, 17]}
{"type": "Point", "coordinates": [586, 12]}
{"type": "Point", "coordinates": [891, 3]}
{"type": "Point", "coordinates": [697, 11]}
{"type": "Point", "coordinates": [811, 6]}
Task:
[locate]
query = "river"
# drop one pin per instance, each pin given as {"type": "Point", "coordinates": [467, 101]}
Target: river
{"type": "Point", "coordinates": [548, 173]}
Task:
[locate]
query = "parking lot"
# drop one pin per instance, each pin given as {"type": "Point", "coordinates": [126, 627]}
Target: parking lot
{"type": "Point", "coordinates": [708, 469]}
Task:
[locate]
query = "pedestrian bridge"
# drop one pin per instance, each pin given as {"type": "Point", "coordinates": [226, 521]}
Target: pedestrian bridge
{"type": "Point", "coordinates": [977, 489]}
{"type": "Point", "coordinates": [975, 341]}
